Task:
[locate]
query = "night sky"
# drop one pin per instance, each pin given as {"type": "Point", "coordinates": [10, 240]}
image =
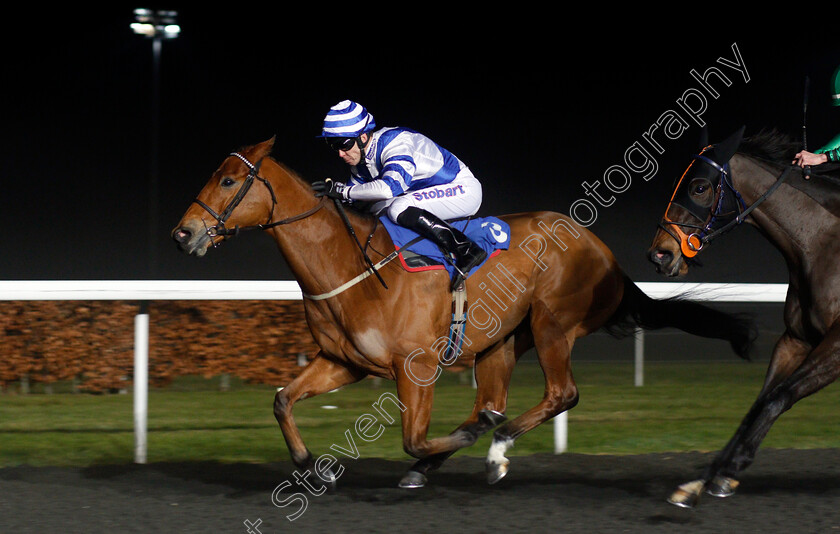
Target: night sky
{"type": "Point", "coordinates": [534, 114]}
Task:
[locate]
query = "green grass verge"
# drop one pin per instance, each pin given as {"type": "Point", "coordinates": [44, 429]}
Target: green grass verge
{"type": "Point", "coordinates": [681, 407]}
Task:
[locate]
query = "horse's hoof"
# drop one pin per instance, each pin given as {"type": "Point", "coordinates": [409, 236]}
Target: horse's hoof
{"type": "Point", "coordinates": [496, 472]}
{"type": "Point", "coordinates": [492, 417]}
{"type": "Point", "coordinates": [688, 494]}
{"type": "Point", "coordinates": [413, 479]}
{"type": "Point", "coordinates": [329, 479]}
{"type": "Point", "coordinates": [722, 487]}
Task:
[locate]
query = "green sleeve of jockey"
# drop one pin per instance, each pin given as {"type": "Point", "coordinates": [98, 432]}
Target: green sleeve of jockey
{"type": "Point", "coordinates": [831, 149]}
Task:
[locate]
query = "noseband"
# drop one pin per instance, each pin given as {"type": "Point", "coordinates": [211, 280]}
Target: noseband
{"type": "Point", "coordinates": [693, 243]}
{"type": "Point", "coordinates": [219, 229]}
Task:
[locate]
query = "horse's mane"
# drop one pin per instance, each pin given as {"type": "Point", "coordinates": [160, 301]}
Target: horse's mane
{"type": "Point", "coordinates": [357, 211]}
{"type": "Point", "coordinates": [779, 149]}
{"type": "Point", "coordinates": [770, 145]}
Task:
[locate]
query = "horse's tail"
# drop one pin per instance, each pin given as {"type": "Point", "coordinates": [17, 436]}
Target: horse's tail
{"type": "Point", "coordinates": [637, 310]}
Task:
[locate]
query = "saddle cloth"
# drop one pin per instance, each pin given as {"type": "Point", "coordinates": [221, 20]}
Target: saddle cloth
{"type": "Point", "coordinates": [490, 233]}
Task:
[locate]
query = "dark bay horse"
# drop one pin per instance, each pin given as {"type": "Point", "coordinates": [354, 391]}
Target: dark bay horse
{"type": "Point", "coordinates": [752, 180]}
{"type": "Point", "coordinates": [554, 284]}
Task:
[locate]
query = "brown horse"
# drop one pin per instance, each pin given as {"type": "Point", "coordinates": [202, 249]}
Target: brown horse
{"type": "Point", "coordinates": [553, 285]}
{"type": "Point", "coordinates": [752, 180]}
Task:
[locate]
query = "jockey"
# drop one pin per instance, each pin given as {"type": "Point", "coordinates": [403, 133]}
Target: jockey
{"type": "Point", "coordinates": [416, 183]}
{"type": "Point", "coordinates": [831, 151]}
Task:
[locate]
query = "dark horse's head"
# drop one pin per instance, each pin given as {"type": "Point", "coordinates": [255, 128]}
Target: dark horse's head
{"type": "Point", "coordinates": [703, 202]}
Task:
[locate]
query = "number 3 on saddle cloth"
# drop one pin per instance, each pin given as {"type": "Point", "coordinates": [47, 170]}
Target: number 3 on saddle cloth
{"type": "Point", "coordinates": [419, 254]}
{"type": "Point", "coordinates": [490, 233]}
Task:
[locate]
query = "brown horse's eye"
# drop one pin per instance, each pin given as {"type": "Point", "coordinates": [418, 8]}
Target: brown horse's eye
{"type": "Point", "coordinates": [227, 182]}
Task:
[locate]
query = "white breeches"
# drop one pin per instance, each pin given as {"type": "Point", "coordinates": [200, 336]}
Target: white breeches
{"type": "Point", "coordinates": [459, 198]}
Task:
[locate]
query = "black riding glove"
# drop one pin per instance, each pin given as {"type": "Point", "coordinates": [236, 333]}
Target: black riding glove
{"type": "Point", "coordinates": [331, 189]}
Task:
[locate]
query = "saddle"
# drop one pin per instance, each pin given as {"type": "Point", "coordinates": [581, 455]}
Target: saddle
{"type": "Point", "coordinates": [418, 254]}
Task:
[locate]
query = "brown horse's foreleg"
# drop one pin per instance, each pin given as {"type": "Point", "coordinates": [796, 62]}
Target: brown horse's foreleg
{"type": "Point", "coordinates": [493, 370]}
{"type": "Point", "coordinates": [320, 376]}
{"type": "Point", "coordinates": [794, 373]}
{"type": "Point", "coordinates": [561, 394]}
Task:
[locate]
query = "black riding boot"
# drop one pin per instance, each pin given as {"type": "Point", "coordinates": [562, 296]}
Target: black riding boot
{"type": "Point", "coordinates": [467, 254]}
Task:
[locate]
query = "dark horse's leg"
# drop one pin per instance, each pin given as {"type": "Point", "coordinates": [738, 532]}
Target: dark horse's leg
{"type": "Point", "coordinates": [794, 374]}
{"type": "Point", "coordinates": [320, 376]}
{"type": "Point", "coordinates": [561, 394]}
{"type": "Point", "coordinates": [492, 376]}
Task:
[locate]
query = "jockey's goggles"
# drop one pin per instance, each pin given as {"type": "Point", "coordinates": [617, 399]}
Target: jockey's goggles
{"type": "Point", "coordinates": [340, 143]}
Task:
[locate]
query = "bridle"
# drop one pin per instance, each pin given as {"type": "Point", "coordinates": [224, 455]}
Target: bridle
{"type": "Point", "coordinates": [219, 229]}
{"type": "Point", "coordinates": [700, 235]}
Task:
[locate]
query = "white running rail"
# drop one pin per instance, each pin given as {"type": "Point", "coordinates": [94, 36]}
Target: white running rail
{"type": "Point", "coordinates": [150, 290]}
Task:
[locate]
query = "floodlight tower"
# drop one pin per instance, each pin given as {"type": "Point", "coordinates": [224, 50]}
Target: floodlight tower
{"type": "Point", "coordinates": [157, 25]}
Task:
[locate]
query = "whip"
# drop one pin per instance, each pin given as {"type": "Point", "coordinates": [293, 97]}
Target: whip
{"type": "Point", "coordinates": [807, 171]}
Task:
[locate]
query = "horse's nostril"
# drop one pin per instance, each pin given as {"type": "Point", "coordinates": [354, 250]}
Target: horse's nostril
{"type": "Point", "coordinates": [181, 235]}
{"type": "Point", "coordinates": [660, 257]}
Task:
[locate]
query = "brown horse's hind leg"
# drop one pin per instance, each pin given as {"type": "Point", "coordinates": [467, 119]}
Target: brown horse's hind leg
{"type": "Point", "coordinates": [561, 394]}
{"type": "Point", "coordinates": [492, 377]}
{"type": "Point", "coordinates": [320, 376]}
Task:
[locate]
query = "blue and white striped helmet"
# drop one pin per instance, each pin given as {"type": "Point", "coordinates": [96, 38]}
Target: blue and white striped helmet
{"type": "Point", "coordinates": [347, 119]}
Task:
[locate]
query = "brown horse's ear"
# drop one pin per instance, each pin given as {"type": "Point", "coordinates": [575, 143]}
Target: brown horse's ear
{"type": "Point", "coordinates": [704, 137]}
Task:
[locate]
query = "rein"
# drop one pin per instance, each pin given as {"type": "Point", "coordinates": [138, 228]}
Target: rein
{"type": "Point", "coordinates": [691, 244]}
{"type": "Point", "coordinates": [219, 228]}
{"type": "Point", "coordinates": [372, 268]}
{"type": "Point", "coordinates": [743, 215]}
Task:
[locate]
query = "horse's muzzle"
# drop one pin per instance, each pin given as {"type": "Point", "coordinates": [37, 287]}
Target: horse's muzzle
{"type": "Point", "coordinates": [660, 257]}
{"type": "Point", "coordinates": [190, 241]}
{"type": "Point", "coordinates": [665, 261]}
